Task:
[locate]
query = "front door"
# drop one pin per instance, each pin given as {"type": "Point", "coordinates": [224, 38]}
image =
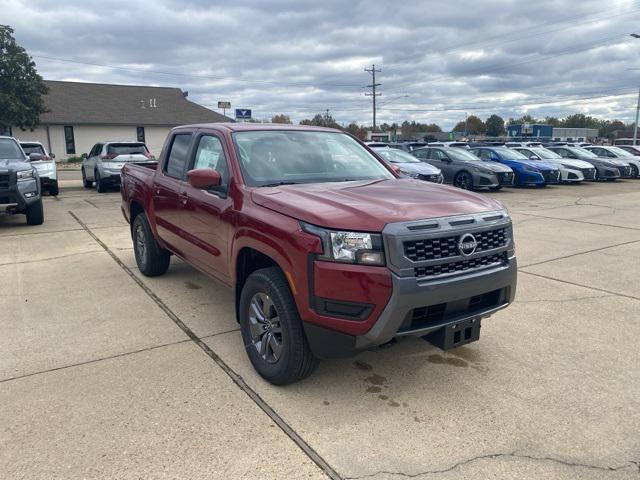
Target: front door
{"type": "Point", "coordinates": [206, 213]}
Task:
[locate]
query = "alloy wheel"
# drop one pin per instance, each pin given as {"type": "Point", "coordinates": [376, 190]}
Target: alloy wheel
{"type": "Point", "coordinates": [141, 246]}
{"type": "Point", "coordinates": [265, 328]}
{"type": "Point", "coordinates": [464, 181]}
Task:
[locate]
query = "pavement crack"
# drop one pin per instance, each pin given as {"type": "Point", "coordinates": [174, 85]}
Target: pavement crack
{"type": "Point", "coordinates": [38, 260]}
{"type": "Point", "coordinates": [608, 225]}
{"type": "Point", "coordinates": [492, 456]}
{"type": "Point", "coordinates": [580, 253]}
{"type": "Point", "coordinates": [564, 300]}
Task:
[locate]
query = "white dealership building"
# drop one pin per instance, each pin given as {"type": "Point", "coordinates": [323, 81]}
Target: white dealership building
{"type": "Point", "coordinates": [82, 114]}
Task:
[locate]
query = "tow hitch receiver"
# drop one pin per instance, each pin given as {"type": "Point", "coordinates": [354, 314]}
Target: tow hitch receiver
{"type": "Point", "coordinates": [456, 334]}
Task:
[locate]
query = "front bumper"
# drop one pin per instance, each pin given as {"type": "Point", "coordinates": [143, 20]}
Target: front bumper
{"type": "Point", "coordinates": [423, 295]}
{"type": "Point", "coordinates": [16, 196]}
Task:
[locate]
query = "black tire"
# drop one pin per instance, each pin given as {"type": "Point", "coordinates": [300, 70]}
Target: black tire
{"type": "Point", "coordinates": [634, 172]}
{"type": "Point", "coordinates": [86, 183]}
{"type": "Point", "coordinates": [101, 187]}
{"type": "Point", "coordinates": [152, 260]}
{"type": "Point", "coordinates": [294, 359]}
{"type": "Point", "coordinates": [495, 189]}
{"type": "Point", "coordinates": [53, 189]}
{"type": "Point", "coordinates": [463, 180]}
{"type": "Point", "coordinates": [35, 213]}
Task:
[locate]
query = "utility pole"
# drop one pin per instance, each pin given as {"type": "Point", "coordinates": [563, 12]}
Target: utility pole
{"type": "Point", "coordinates": [326, 118]}
{"type": "Point", "coordinates": [373, 93]}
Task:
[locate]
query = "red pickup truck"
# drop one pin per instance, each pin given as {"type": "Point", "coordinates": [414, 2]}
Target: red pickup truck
{"type": "Point", "coordinates": [328, 249]}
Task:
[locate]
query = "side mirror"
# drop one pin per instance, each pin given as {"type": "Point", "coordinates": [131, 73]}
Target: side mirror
{"type": "Point", "coordinates": [84, 156]}
{"type": "Point", "coordinates": [204, 178]}
{"type": "Point", "coordinates": [35, 157]}
{"type": "Point", "coordinates": [533, 156]}
{"type": "Point", "coordinates": [395, 168]}
{"type": "Point", "coordinates": [53, 155]}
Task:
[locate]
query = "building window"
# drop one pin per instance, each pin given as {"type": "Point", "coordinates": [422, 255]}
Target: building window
{"type": "Point", "coordinates": [140, 133]}
{"type": "Point", "coordinates": [6, 131]}
{"type": "Point", "coordinates": [69, 140]}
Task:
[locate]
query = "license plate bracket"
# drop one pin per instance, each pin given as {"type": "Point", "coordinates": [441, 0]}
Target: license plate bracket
{"type": "Point", "coordinates": [456, 334]}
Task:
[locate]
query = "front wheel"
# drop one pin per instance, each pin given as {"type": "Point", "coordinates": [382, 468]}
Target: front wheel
{"type": "Point", "coordinates": [35, 213]}
{"type": "Point", "coordinates": [152, 260]}
{"type": "Point", "coordinates": [272, 329]}
{"type": "Point", "coordinates": [463, 180]}
{"type": "Point", "coordinates": [634, 172]}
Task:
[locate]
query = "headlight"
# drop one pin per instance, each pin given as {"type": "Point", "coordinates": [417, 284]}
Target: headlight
{"type": "Point", "coordinates": [348, 247]}
{"type": "Point", "coordinates": [410, 174]}
{"type": "Point", "coordinates": [25, 175]}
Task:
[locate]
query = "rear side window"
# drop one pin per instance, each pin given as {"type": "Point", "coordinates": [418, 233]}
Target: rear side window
{"type": "Point", "coordinates": [32, 148]}
{"type": "Point", "coordinates": [177, 156]}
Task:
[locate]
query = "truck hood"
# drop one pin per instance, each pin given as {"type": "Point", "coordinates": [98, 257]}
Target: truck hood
{"type": "Point", "coordinates": [370, 205]}
{"type": "Point", "coordinates": [14, 165]}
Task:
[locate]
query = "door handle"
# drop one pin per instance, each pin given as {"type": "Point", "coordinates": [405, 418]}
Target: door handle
{"type": "Point", "coordinates": [183, 198]}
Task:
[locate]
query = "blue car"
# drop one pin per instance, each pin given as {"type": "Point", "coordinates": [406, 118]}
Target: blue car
{"type": "Point", "coordinates": [526, 172]}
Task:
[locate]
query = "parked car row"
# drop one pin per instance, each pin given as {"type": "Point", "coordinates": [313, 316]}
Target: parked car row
{"type": "Point", "coordinates": [494, 165]}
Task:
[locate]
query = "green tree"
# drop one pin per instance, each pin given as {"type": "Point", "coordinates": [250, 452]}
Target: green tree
{"type": "Point", "coordinates": [357, 131]}
{"type": "Point", "coordinates": [554, 121]}
{"type": "Point", "coordinates": [473, 126]}
{"type": "Point", "coordinates": [21, 88]}
{"type": "Point", "coordinates": [281, 118]}
{"type": "Point", "coordinates": [319, 120]}
{"type": "Point", "coordinates": [495, 126]}
{"type": "Point", "coordinates": [523, 119]}
{"type": "Point", "coordinates": [580, 120]}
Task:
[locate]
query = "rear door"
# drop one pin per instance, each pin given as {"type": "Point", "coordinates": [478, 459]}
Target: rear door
{"type": "Point", "coordinates": [168, 191]}
{"type": "Point", "coordinates": [438, 158]}
{"type": "Point", "coordinates": [205, 217]}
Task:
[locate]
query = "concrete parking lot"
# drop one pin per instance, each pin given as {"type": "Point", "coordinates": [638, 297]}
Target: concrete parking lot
{"type": "Point", "coordinates": [108, 374]}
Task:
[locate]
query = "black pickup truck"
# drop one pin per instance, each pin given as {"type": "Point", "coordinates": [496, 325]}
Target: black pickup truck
{"type": "Point", "coordinates": [20, 190]}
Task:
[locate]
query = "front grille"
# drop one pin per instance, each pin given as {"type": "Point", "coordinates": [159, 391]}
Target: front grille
{"type": "Point", "coordinates": [505, 178]}
{"type": "Point", "coordinates": [430, 178]}
{"type": "Point", "coordinates": [4, 180]}
{"type": "Point", "coordinates": [461, 266]}
{"type": "Point", "coordinates": [624, 171]}
{"type": "Point", "coordinates": [551, 176]}
{"type": "Point", "coordinates": [589, 173]}
{"type": "Point", "coordinates": [444, 247]}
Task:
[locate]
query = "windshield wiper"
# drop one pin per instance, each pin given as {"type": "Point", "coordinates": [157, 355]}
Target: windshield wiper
{"type": "Point", "coordinates": [277, 184]}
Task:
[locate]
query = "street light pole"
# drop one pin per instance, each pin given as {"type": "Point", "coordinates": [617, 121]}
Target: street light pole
{"type": "Point", "coordinates": [635, 126]}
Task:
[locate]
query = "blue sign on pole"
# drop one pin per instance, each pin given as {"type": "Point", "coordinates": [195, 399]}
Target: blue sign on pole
{"type": "Point", "coordinates": [243, 114]}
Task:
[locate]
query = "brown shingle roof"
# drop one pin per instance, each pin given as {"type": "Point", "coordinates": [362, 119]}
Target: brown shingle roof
{"type": "Point", "coordinates": [73, 103]}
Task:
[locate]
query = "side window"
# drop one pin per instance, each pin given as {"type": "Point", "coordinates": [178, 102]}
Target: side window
{"type": "Point", "coordinates": [69, 140]}
{"type": "Point", "coordinates": [485, 155]}
{"type": "Point", "coordinates": [177, 155]}
{"type": "Point", "coordinates": [210, 154]}
{"type": "Point", "coordinates": [421, 153]}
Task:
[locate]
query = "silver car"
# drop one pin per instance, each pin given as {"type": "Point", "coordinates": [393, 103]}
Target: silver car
{"type": "Point", "coordinates": [44, 164]}
{"type": "Point", "coordinates": [618, 154]}
{"type": "Point", "coordinates": [103, 163]}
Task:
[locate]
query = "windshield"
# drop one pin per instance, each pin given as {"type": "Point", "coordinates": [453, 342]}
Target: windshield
{"type": "Point", "coordinates": [281, 157]}
{"type": "Point", "coordinates": [509, 154]}
{"type": "Point", "coordinates": [10, 150]}
{"type": "Point", "coordinates": [32, 148]}
{"type": "Point", "coordinates": [462, 155]}
{"type": "Point", "coordinates": [620, 151]}
{"type": "Point", "coordinates": [544, 153]}
{"type": "Point", "coordinates": [127, 149]}
{"type": "Point", "coordinates": [582, 151]}
{"type": "Point", "coordinates": [396, 156]}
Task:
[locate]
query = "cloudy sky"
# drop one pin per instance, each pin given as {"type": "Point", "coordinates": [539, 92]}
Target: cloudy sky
{"type": "Point", "coordinates": [438, 59]}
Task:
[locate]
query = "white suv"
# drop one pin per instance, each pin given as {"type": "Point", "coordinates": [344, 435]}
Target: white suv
{"type": "Point", "coordinates": [103, 163]}
{"type": "Point", "coordinates": [44, 164]}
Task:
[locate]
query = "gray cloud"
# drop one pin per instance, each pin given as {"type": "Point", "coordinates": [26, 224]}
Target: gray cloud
{"type": "Point", "coordinates": [299, 58]}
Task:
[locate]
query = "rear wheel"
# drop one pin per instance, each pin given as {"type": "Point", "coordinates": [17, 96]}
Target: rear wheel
{"type": "Point", "coordinates": [463, 180]}
{"type": "Point", "coordinates": [35, 213]}
{"type": "Point", "coordinates": [272, 330]}
{"type": "Point", "coordinates": [152, 260]}
{"type": "Point", "coordinates": [53, 189]}
{"type": "Point", "coordinates": [101, 187]}
{"type": "Point", "coordinates": [86, 183]}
